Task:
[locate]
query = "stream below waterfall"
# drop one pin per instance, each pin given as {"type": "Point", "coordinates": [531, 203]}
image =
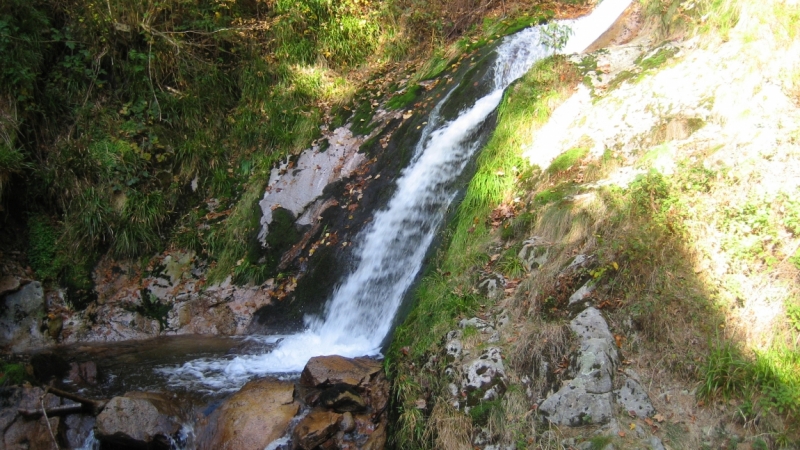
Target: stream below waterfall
{"type": "Point", "coordinates": [389, 255]}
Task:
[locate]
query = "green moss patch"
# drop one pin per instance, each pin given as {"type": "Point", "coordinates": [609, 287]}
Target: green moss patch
{"type": "Point", "coordinates": [402, 100]}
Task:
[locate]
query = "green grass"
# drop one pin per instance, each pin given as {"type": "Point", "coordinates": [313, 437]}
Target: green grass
{"type": "Point", "coordinates": [566, 160]}
{"type": "Point", "coordinates": [11, 373]}
{"type": "Point", "coordinates": [770, 379]}
{"type": "Point", "coordinates": [726, 373]}
{"type": "Point", "coordinates": [482, 412]}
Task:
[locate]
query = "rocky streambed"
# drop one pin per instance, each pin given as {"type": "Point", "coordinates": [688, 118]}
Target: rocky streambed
{"type": "Point", "coordinates": [336, 402]}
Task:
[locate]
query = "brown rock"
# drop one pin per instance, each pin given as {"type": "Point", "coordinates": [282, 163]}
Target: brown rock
{"type": "Point", "coordinates": [252, 418]}
{"type": "Point", "coordinates": [315, 428]}
{"type": "Point", "coordinates": [8, 284]}
{"type": "Point", "coordinates": [330, 370]}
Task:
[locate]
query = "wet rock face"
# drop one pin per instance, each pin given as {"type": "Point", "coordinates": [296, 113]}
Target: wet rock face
{"type": "Point", "coordinates": [252, 418]}
{"type": "Point", "coordinates": [138, 420]}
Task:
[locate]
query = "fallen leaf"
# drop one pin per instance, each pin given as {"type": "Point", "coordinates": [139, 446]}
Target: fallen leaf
{"type": "Point", "coordinates": [420, 403]}
{"type": "Point", "coordinates": [621, 434]}
{"type": "Point", "coordinates": [659, 417]}
{"type": "Point", "coordinates": [648, 421]}
{"type": "Point", "coordinates": [633, 426]}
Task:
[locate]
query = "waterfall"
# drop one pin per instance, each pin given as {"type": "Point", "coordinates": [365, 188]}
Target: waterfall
{"type": "Point", "coordinates": [391, 249]}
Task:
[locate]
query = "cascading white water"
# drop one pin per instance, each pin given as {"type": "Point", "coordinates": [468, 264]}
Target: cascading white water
{"type": "Point", "coordinates": [391, 250]}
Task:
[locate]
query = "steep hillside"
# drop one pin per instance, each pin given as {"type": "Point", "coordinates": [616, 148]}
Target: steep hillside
{"type": "Point", "coordinates": [623, 270]}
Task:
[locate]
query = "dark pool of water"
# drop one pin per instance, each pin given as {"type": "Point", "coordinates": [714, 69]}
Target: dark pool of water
{"type": "Point", "coordinates": [132, 365]}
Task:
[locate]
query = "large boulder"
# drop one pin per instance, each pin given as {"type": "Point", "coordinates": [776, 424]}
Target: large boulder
{"type": "Point", "coordinates": [252, 418]}
{"type": "Point", "coordinates": [322, 371]}
{"type": "Point", "coordinates": [139, 420]}
{"type": "Point", "coordinates": [21, 319]}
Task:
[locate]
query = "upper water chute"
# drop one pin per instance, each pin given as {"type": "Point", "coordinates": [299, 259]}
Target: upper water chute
{"type": "Point", "coordinates": [391, 250]}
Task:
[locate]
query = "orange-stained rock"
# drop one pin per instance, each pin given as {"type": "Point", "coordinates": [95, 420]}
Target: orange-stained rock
{"type": "Point", "coordinates": [315, 428]}
{"type": "Point", "coordinates": [255, 416]}
{"type": "Point", "coordinates": [330, 370]}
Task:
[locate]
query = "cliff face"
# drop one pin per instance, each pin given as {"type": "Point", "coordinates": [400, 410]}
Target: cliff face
{"type": "Point", "coordinates": [637, 288]}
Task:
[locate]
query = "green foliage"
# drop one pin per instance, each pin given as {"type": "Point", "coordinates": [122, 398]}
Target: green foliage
{"type": "Point", "coordinates": [22, 28]}
{"type": "Point", "coordinates": [89, 219]}
{"type": "Point", "coordinates": [131, 101]}
{"type": "Point", "coordinates": [42, 247]}
{"type": "Point", "coordinates": [344, 33]}
{"type": "Point", "coordinates": [555, 35]}
{"type": "Point", "coordinates": [140, 221]}
{"type": "Point", "coordinates": [566, 160]}
{"type": "Point", "coordinates": [11, 373]}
